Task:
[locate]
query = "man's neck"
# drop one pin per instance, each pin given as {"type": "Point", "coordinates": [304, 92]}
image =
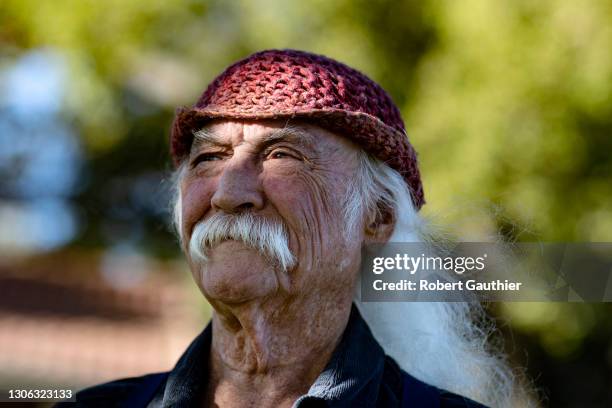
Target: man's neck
{"type": "Point", "coordinates": [269, 353]}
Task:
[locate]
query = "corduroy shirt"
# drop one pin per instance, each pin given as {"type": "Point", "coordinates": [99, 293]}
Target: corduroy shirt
{"type": "Point", "coordinates": [359, 374]}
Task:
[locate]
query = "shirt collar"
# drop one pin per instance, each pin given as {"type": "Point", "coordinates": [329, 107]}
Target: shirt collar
{"type": "Point", "coordinates": [354, 372]}
{"type": "Point", "coordinates": [355, 369]}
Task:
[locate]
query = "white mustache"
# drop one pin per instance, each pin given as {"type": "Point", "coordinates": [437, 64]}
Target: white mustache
{"type": "Point", "coordinates": [268, 237]}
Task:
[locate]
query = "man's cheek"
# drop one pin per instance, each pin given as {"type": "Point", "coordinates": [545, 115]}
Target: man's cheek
{"type": "Point", "coordinates": [294, 203]}
{"type": "Point", "coordinates": [195, 204]}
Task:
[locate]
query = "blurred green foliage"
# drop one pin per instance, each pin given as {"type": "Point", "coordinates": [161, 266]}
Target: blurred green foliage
{"type": "Point", "coordinates": [509, 105]}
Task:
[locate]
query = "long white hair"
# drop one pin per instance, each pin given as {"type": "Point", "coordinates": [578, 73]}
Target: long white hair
{"type": "Point", "coordinates": [446, 344]}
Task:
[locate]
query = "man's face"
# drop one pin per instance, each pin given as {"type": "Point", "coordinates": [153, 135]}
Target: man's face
{"type": "Point", "coordinates": [297, 177]}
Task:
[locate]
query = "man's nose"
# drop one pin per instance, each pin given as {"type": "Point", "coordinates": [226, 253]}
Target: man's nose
{"type": "Point", "coordinates": [239, 189]}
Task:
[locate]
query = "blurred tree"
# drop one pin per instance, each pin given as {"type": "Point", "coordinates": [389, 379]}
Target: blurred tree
{"type": "Point", "coordinates": [516, 102]}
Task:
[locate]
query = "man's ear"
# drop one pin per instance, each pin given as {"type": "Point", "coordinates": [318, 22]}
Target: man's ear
{"type": "Point", "coordinates": [379, 226]}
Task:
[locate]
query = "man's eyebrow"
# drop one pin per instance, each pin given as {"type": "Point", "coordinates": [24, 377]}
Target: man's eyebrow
{"type": "Point", "coordinates": [291, 134]}
{"type": "Point", "coordinates": [205, 136]}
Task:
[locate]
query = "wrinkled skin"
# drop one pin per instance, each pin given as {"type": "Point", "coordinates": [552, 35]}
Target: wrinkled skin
{"type": "Point", "coordinates": [274, 331]}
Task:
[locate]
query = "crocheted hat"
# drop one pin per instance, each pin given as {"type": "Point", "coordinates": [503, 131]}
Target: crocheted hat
{"type": "Point", "coordinates": [281, 84]}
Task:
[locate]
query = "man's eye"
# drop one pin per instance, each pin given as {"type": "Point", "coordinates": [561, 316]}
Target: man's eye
{"type": "Point", "coordinates": [280, 154]}
{"type": "Point", "coordinates": [206, 157]}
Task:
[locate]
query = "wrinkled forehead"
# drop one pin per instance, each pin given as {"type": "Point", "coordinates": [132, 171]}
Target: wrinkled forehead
{"type": "Point", "coordinates": [307, 136]}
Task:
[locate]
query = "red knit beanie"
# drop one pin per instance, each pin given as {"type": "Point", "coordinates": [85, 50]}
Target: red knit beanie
{"type": "Point", "coordinates": [276, 84]}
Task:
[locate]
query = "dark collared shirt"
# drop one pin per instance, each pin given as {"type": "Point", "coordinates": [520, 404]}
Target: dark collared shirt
{"type": "Point", "coordinates": [359, 374]}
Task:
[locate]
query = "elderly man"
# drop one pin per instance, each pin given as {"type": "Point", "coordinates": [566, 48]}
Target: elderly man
{"type": "Point", "coordinates": [287, 165]}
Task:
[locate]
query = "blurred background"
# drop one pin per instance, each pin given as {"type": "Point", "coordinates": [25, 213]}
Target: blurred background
{"type": "Point", "coordinates": [509, 105]}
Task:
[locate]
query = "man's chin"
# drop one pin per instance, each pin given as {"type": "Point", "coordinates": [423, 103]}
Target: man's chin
{"type": "Point", "coordinates": [235, 273]}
